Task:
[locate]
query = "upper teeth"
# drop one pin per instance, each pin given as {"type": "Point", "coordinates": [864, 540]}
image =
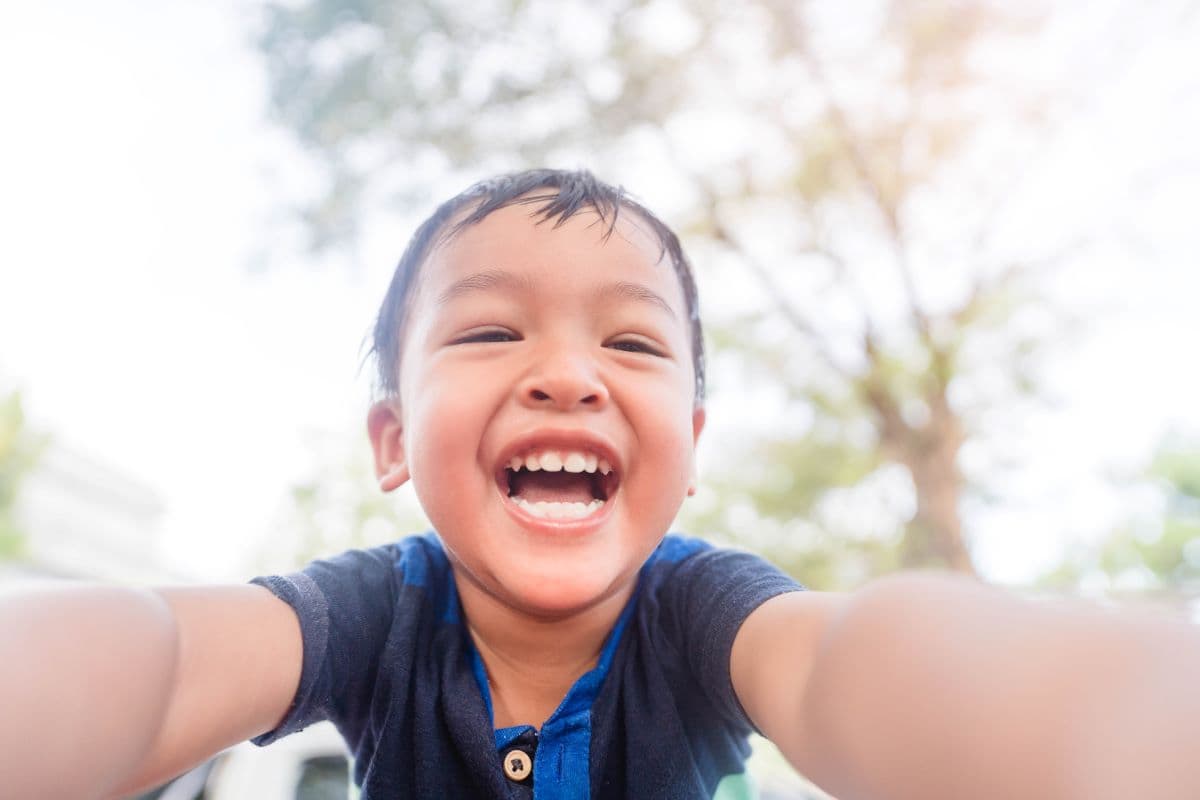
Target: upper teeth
{"type": "Point", "coordinates": [557, 460]}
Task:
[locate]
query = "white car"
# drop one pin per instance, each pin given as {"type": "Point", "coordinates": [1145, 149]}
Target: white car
{"type": "Point", "coordinates": [310, 765]}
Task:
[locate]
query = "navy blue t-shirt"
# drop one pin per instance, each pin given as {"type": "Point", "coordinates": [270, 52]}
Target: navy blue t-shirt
{"type": "Point", "coordinates": [388, 659]}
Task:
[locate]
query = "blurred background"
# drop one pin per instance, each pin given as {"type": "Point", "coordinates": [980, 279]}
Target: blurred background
{"type": "Point", "coordinates": [947, 254]}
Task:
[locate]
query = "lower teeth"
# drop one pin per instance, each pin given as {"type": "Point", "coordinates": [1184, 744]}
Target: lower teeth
{"type": "Point", "coordinates": [559, 510]}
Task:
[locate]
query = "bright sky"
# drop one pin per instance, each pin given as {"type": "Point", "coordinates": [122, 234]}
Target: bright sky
{"type": "Point", "coordinates": [133, 153]}
{"type": "Point", "coordinates": [134, 204]}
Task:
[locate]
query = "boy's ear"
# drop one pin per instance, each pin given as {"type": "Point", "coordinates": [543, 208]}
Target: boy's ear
{"type": "Point", "coordinates": [387, 440]}
{"type": "Point", "coordinates": [697, 426]}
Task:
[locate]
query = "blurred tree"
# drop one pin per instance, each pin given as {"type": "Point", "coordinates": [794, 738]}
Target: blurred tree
{"type": "Point", "coordinates": [1157, 553]}
{"type": "Point", "coordinates": [853, 167]}
{"type": "Point", "coordinates": [19, 451]}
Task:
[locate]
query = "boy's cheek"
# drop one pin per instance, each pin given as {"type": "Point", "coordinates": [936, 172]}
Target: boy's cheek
{"type": "Point", "coordinates": [670, 455]}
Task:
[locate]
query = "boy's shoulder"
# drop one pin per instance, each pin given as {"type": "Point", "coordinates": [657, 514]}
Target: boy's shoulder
{"type": "Point", "coordinates": [414, 559]}
{"type": "Point", "coordinates": [689, 559]}
{"type": "Point", "coordinates": [676, 547]}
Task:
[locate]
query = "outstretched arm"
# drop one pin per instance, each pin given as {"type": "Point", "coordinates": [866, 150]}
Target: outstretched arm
{"type": "Point", "coordinates": [923, 686]}
{"type": "Point", "coordinates": [107, 690]}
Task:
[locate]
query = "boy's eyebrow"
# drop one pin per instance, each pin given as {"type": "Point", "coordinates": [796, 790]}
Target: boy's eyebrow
{"type": "Point", "coordinates": [500, 279]}
{"type": "Point", "coordinates": [479, 281]}
{"type": "Point", "coordinates": [635, 291]}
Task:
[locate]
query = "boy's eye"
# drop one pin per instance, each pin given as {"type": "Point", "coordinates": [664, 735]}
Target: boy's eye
{"type": "Point", "coordinates": [635, 345]}
{"type": "Point", "coordinates": [486, 335]}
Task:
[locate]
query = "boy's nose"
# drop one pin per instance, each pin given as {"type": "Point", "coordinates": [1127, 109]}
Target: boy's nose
{"type": "Point", "coordinates": [565, 383]}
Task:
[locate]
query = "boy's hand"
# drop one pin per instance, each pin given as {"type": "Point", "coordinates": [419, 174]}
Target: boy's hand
{"type": "Point", "coordinates": [84, 674]}
{"type": "Point", "coordinates": [106, 690]}
{"type": "Point", "coordinates": [936, 687]}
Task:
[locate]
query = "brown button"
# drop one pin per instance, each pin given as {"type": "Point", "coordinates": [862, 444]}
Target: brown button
{"type": "Point", "coordinates": [517, 765]}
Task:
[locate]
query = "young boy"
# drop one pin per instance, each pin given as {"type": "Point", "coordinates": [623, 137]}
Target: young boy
{"type": "Point", "coordinates": [541, 365]}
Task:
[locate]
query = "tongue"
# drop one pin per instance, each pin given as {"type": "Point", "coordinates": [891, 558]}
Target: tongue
{"type": "Point", "coordinates": [552, 487]}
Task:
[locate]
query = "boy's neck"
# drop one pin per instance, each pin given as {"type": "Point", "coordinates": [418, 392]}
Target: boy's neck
{"type": "Point", "coordinates": [533, 662]}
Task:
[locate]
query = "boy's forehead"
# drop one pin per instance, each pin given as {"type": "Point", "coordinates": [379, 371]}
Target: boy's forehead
{"type": "Point", "coordinates": [520, 236]}
{"type": "Point", "coordinates": [527, 221]}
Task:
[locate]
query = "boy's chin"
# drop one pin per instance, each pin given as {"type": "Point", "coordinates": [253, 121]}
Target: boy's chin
{"type": "Point", "coordinates": [556, 597]}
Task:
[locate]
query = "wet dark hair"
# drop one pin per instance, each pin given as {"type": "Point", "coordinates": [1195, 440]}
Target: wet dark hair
{"type": "Point", "coordinates": [566, 193]}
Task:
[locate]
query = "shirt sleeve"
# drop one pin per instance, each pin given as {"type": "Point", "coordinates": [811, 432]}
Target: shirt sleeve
{"type": "Point", "coordinates": [711, 594]}
{"type": "Point", "coordinates": [345, 606]}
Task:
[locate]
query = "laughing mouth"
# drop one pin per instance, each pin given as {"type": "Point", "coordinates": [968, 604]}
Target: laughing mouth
{"type": "Point", "coordinates": [559, 484]}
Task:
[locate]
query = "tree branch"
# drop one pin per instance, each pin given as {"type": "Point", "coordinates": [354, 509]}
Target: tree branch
{"type": "Point", "coordinates": [722, 234]}
{"type": "Point", "coordinates": [866, 176]}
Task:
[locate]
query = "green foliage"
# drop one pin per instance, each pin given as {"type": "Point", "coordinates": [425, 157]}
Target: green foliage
{"type": "Point", "coordinates": [1159, 554]}
{"type": "Point", "coordinates": [19, 452]}
{"type": "Point", "coordinates": [1179, 468]}
{"type": "Point", "coordinates": [390, 97]}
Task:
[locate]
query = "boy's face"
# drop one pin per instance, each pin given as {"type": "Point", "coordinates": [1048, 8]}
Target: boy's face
{"type": "Point", "coordinates": [530, 343]}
